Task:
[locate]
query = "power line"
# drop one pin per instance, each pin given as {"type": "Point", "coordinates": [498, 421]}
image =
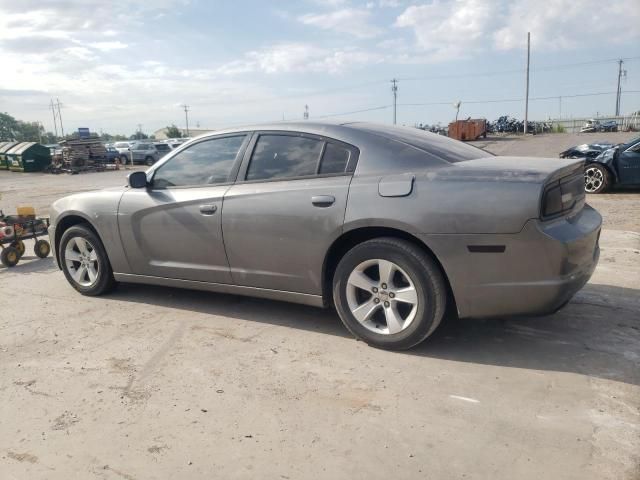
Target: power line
{"type": "Point", "coordinates": [510, 100]}
{"type": "Point", "coordinates": [382, 107]}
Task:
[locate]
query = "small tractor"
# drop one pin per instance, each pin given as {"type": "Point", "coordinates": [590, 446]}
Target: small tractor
{"type": "Point", "coordinates": [14, 229]}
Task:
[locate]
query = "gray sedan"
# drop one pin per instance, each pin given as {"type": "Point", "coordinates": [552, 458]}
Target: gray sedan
{"type": "Point", "coordinates": [390, 225]}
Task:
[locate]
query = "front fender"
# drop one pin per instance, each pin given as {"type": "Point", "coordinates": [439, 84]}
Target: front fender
{"type": "Point", "coordinates": [98, 209]}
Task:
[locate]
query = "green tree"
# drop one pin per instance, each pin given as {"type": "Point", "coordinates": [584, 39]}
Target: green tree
{"type": "Point", "coordinates": [139, 136]}
{"type": "Point", "coordinates": [173, 132]}
{"type": "Point", "coordinates": [49, 138]}
{"type": "Point", "coordinates": [8, 127]}
{"type": "Point", "coordinates": [29, 131]}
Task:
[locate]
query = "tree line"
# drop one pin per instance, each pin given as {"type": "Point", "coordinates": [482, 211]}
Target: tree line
{"type": "Point", "coordinates": [12, 129]}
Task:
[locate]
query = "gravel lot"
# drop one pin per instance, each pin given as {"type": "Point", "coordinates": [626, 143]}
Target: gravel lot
{"type": "Point", "coordinates": [152, 382]}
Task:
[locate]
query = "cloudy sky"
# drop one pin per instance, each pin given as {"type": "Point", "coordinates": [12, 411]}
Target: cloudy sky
{"type": "Point", "coordinates": [116, 64]}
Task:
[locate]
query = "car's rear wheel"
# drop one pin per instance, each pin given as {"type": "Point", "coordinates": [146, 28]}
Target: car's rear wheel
{"type": "Point", "coordinates": [149, 161]}
{"type": "Point", "coordinates": [389, 293]}
{"type": "Point", "coordinates": [596, 178]}
{"type": "Point", "coordinates": [84, 261]}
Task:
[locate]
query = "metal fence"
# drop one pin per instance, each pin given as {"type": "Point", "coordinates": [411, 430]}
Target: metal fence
{"type": "Point", "coordinates": [573, 125]}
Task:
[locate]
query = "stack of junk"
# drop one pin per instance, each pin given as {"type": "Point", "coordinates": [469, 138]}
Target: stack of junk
{"type": "Point", "coordinates": [83, 154]}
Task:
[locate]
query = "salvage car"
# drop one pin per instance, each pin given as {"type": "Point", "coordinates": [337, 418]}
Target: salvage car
{"type": "Point", "coordinates": [586, 150]}
{"type": "Point", "coordinates": [618, 166]}
{"type": "Point", "coordinates": [390, 225]}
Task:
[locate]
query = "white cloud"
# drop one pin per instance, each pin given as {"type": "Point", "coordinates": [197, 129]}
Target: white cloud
{"type": "Point", "coordinates": [352, 21]}
{"type": "Point", "coordinates": [566, 24]}
{"type": "Point", "coordinates": [299, 58]}
{"type": "Point", "coordinates": [108, 46]}
{"type": "Point", "coordinates": [449, 29]}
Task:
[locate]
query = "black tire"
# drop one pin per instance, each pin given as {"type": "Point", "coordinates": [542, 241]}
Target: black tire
{"type": "Point", "coordinates": [10, 256]}
{"type": "Point", "coordinates": [104, 281]}
{"type": "Point", "coordinates": [422, 271]}
{"type": "Point", "coordinates": [149, 161]}
{"type": "Point", "coordinates": [20, 247]}
{"type": "Point", "coordinates": [124, 159]}
{"type": "Point", "coordinates": [42, 249]}
{"type": "Point", "coordinates": [597, 178]}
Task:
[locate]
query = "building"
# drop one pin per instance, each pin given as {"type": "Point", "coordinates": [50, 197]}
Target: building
{"type": "Point", "coordinates": [161, 134]}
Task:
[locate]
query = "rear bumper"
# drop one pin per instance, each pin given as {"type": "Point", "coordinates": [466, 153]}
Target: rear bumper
{"type": "Point", "coordinates": [536, 273]}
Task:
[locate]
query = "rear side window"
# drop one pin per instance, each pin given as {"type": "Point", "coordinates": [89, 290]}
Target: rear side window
{"type": "Point", "coordinates": [284, 156]}
{"type": "Point", "coordinates": [334, 159]}
{"type": "Point", "coordinates": [205, 163]}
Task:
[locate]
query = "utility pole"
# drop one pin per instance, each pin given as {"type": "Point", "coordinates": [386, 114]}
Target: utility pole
{"type": "Point", "coordinates": [526, 102]}
{"type": "Point", "coordinates": [618, 91]}
{"type": "Point", "coordinates": [560, 104]}
{"type": "Point", "coordinates": [186, 117]}
{"type": "Point", "coordinates": [139, 134]}
{"type": "Point", "coordinates": [60, 117]}
{"type": "Point", "coordinates": [394, 89]}
{"type": "Point", "coordinates": [306, 112]}
{"type": "Point", "coordinates": [55, 124]}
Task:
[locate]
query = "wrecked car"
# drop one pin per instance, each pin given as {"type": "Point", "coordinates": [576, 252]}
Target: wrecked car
{"type": "Point", "coordinates": [617, 166]}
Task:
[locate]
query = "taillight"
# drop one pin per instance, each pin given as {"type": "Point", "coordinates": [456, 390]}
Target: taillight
{"type": "Point", "coordinates": [561, 196]}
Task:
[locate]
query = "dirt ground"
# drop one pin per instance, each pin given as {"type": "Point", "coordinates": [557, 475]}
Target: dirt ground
{"type": "Point", "coordinates": [151, 382]}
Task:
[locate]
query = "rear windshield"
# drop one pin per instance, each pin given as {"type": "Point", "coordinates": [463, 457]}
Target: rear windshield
{"type": "Point", "coordinates": [439, 146]}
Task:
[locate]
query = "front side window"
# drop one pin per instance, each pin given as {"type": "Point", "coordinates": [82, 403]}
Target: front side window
{"type": "Point", "coordinates": [284, 156]}
{"type": "Point", "coordinates": [205, 163]}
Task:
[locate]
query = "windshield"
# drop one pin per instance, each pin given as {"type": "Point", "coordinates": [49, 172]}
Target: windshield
{"type": "Point", "coordinates": [122, 145]}
{"type": "Point", "coordinates": [630, 143]}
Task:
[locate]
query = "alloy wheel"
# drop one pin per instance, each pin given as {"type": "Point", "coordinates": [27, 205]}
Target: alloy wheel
{"type": "Point", "coordinates": [82, 261]}
{"type": "Point", "coordinates": [382, 296]}
{"type": "Point", "coordinates": [593, 179]}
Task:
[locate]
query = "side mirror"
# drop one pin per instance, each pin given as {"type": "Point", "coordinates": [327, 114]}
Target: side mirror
{"type": "Point", "coordinates": [137, 180]}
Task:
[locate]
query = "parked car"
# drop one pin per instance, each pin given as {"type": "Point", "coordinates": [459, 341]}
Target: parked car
{"type": "Point", "coordinates": [616, 166]}
{"type": "Point", "coordinates": [142, 152]}
{"type": "Point", "coordinates": [388, 224]}
{"type": "Point", "coordinates": [591, 126]}
{"type": "Point", "coordinates": [586, 150]}
{"type": "Point", "coordinates": [162, 148]}
{"type": "Point", "coordinates": [122, 147]}
{"type": "Point", "coordinates": [112, 154]}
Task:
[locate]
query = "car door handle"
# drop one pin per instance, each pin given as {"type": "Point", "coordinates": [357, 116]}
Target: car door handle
{"type": "Point", "coordinates": [323, 200]}
{"type": "Point", "coordinates": [208, 209]}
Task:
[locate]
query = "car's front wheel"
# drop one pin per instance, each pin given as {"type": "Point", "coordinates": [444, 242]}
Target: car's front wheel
{"type": "Point", "coordinates": [149, 161]}
{"type": "Point", "coordinates": [389, 293]}
{"type": "Point", "coordinates": [84, 261]}
{"type": "Point", "coordinates": [596, 178]}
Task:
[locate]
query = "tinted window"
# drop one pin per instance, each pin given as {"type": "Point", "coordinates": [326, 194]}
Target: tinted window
{"type": "Point", "coordinates": [334, 159]}
{"type": "Point", "coordinates": [204, 163]}
{"type": "Point", "coordinates": [282, 156]}
{"type": "Point", "coordinates": [438, 146]}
